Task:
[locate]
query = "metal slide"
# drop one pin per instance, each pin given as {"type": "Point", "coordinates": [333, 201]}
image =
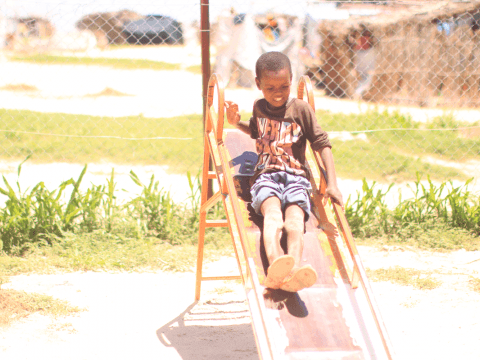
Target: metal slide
{"type": "Point", "coordinates": [336, 318]}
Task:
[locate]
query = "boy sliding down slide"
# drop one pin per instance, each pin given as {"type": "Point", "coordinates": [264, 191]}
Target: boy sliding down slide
{"type": "Point", "coordinates": [280, 187]}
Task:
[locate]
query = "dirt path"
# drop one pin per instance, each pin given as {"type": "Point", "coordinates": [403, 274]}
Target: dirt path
{"type": "Point", "coordinates": [153, 315]}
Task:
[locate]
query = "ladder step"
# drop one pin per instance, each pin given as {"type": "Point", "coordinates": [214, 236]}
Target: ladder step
{"type": "Point", "coordinates": [217, 223]}
{"type": "Point", "coordinates": [212, 175]}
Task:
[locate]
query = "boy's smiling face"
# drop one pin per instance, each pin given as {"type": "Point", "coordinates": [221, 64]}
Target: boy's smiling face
{"type": "Point", "coordinates": [275, 86]}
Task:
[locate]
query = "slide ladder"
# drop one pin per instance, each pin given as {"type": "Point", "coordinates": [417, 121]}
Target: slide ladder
{"type": "Point", "coordinates": [336, 318]}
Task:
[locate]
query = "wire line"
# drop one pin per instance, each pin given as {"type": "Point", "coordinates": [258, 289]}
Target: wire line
{"type": "Point", "coordinates": [175, 138]}
{"type": "Point", "coordinates": [402, 129]}
{"type": "Point", "coordinates": [96, 136]}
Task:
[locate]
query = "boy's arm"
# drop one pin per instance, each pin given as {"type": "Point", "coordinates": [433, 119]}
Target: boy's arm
{"type": "Point", "coordinates": [233, 117]}
{"type": "Point", "coordinates": [332, 190]}
{"type": "Point", "coordinates": [243, 126]}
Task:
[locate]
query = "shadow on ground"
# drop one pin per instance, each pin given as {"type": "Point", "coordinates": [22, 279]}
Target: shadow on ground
{"type": "Point", "coordinates": [194, 341]}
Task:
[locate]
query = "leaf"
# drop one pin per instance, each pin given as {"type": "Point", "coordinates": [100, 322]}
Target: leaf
{"type": "Point", "coordinates": [76, 186]}
{"type": "Point", "coordinates": [135, 178]}
{"type": "Point", "coordinates": [11, 193]}
{"type": "Point", "coordinates": [19, 169]}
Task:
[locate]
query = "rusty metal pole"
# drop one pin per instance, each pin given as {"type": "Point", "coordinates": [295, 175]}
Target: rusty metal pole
{"type": "Point", "coordinates": [205, 39]}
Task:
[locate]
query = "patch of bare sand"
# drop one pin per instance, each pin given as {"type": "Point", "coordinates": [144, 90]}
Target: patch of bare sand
{"type": "Point", "coordinates": [186, 55]}
{"type": "Point", "coordinates": [147, 316]}
{"type": "Point", "coordinates": [153, 315]}
{"type": "Point", "coordinates": [430, 324]}
{"type": "Point", "coordinates": [64, 89]}
{"type": "Point", "coordinates": [108, 92]}
{"type": "Point", "coordinates": [19, 87]}
{"type": "Point", "coordinates": [470, 167]}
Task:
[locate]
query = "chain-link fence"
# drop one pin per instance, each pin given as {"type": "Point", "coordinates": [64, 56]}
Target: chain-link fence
{"type": "Point", "coordinates": [119, 84]}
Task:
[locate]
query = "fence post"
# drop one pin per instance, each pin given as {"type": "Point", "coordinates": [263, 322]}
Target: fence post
{"type": "Point", "coordinates": [205, 39]}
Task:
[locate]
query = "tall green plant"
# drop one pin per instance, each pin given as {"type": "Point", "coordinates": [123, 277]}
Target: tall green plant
{"type": "Point", "coordinates": [195, 186]}
{"type": "Point", "coordinates": [426, 204]}
{"type": "Point", "coordinates": [163, 218]}
{"type": "Point", "coordinates": [368, 211]}
{"type": "Point", "coordinates": [432, 216]}
{"type": "Point", "coordinates": [91, 203]}
{"type": "Point", "coordinates": [465, 208]}
{"type": "Point", "coordinates": [35, 216]}
{"type": "Point", "coordinates": [109, 202]}
{"type": "Point", "coordinates": [73, 208]}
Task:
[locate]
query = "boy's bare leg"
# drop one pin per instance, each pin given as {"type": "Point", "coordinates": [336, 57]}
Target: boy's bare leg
{"type": "Point", "coordinates": [272, 227]}
{"type": "Point", "coordinates": [280, 265]}
{"type": "Point", "coordinates": [294, 227]}
{"type": "Point", "coordinates": [300, 276]}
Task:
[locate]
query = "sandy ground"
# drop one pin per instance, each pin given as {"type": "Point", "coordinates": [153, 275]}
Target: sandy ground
{"type": "Point", "coordinates": [154, 316]}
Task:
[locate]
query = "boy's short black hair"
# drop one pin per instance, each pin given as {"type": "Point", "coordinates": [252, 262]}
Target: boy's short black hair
{"type": "Point", "coordinates": [272, 61]}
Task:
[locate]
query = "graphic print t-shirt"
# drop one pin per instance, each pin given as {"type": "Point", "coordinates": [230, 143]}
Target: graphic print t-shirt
{"type": "Point", "coordinates": [281, 136]}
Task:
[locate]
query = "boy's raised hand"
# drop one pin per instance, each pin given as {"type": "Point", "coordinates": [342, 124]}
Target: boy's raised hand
{"type": "Point", "coordinates": [233, 116]}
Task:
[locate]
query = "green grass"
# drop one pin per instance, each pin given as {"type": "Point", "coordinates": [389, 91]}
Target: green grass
{"type": "Point", "coordinates": [356, 159]}
{"type": "Point", "coordinates": [394, 154]}
{"type": "Point", "coordinates": [387, 156]}
{"type": "Point", "coordinates": [180, 155]}
{"type": "Point", "coordinates": [17, 304]}
{"type": "Point", "coordinates": [127, 64]}
{"type": "Point", "coordinates": [397, 136]}
{"type": "Point", "coordinates": [432, 236]}
{"type": "Point", "coordinates": [405, 277]}
{"type": "Point", "coordinates": [441, 217]}
{"type": "Point", "coordinates": [113, 252]}
{"type": "Point", "coordinates": [90, 231]}
{"type": "Point", "coordinates": [196, 69]}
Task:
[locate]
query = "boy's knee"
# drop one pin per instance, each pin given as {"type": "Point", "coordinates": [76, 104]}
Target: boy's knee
{"type": "Point", "coordinates": [273, 217]}
{"type": "Point", "coordinates": [295, 223]}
